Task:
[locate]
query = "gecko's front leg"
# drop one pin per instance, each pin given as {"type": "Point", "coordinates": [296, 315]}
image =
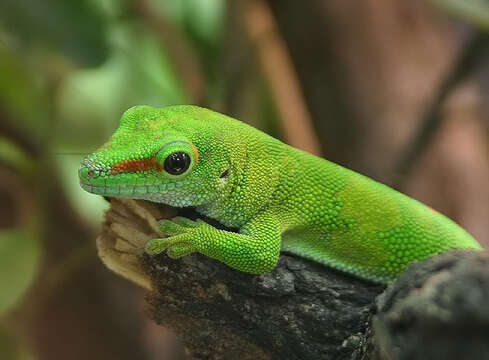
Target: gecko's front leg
{"type": "Point", "coordinates": [255, 249]}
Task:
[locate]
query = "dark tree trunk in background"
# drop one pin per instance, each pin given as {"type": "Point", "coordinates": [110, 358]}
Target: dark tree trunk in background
{"type": "Point", "coordinates": [368, 68]}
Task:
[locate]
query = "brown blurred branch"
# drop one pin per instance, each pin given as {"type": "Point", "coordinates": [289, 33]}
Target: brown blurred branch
{"type": "Point", "coordinates": [279, 70]}
{"type": "Point", "coordinates": [433, 118]}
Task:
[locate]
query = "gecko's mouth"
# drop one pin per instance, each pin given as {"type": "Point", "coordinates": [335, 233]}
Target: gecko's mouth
{"type": "Point", "coordinates": [93, 179]}
{"type": "Point", "coordinates": [125, 190]}
{"type": "Point", "coordinates": [117, 190]}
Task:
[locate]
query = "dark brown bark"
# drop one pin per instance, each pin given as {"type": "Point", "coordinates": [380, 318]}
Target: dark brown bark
{"type": "Point", "coordinates": [437, 310]}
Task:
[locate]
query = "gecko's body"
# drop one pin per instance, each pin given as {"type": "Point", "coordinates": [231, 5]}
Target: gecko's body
{"type": "Point", "coordinates": [279, 198]}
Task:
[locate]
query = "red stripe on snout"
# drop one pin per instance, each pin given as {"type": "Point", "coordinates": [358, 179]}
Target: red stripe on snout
{"type": "Point", "coordinates": [128, 166]}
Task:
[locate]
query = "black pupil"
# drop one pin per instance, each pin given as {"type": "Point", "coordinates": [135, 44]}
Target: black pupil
{"type": "Point", "coordinates": [177, 163]}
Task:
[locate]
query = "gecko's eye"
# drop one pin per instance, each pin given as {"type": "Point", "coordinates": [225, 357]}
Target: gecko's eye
{"type": "Point", "coordinates": [177, 163]}
{"type": "Point", "coordinates": [177, 158]}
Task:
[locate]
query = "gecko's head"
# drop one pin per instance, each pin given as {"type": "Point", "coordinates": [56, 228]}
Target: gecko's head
{"type": "Point", "coordinates": [160, 154]}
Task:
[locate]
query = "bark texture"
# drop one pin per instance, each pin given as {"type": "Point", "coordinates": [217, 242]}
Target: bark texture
{"type": "Point", "coordinates": [437, 310]}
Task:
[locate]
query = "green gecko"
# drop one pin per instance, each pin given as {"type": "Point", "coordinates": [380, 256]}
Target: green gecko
{"type": "Point", "coordinates": [278, 197]}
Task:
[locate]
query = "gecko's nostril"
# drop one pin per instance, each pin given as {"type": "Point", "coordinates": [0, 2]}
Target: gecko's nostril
{"type": "Point", "coordinates": [90, 169]}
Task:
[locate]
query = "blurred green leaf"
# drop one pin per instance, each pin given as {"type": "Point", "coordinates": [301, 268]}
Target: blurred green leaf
{"type": "Point", "coordinates": [19, 261]}
{"type": "Point", "coordinates": [201, 23]}
{"type": "Point", "coordinates": [22, 96]}
{"type": "Point", "coordinates": [206, 17]}
{"type": "Point", "coordinates": [74, 27]}
{"type": "Point", "coordinates": [14, 156]}
{"type": "Point", "coordinates": [90, 102]}
{"type": "Point", "coordinates": [474, 11]}
{"type": "Point", "coordinates": [203, 18]}
{"type": "Point", "coordinates": [110, 9]}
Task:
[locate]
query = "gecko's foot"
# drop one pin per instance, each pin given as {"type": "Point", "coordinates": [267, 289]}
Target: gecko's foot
{"type": "Point", "coordinates": [176, 246]}
{"type": "Point", "coordinates": [179, 241]}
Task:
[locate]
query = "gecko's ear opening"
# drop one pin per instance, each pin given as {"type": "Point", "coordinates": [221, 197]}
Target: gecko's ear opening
{"type": "Point", "coordinates": [224, 174]}
{"type": "Point", "coordinates": [177, 158]}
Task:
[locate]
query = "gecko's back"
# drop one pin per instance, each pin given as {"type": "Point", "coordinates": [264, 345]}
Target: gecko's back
{"type": "Point", "coordinates": [348, 221]}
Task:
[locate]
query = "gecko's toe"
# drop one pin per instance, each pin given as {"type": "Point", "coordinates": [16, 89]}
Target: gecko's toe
{"type": "Point", "coordinates": [186, 222]}
{"type": "Point", "coordinates": [155, 246]}
{"type": "Point", "coordinates": [180, 250]}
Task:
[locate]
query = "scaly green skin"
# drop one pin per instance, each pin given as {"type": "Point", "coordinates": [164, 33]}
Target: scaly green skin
{"type": "Point", "coordinates": [279, 198]}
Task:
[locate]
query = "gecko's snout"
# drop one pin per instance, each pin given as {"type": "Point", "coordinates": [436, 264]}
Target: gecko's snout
{"type": "Point", "coordinates": [89, 170]}
{"type": "Point", "coordinates": [88, 173]}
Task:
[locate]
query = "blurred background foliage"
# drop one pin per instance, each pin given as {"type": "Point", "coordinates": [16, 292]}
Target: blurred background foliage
{"type": "Point", "coordinates": [396, 90]}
